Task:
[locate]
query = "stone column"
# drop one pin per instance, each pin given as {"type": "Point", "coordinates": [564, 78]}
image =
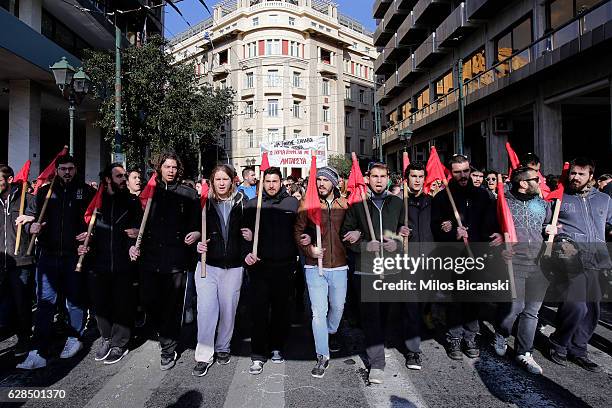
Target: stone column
{"type": "Point", "coordinates": [93, 148]}
{"type": "Point", "coordinates": [30, 12]}
{"type": "Point", "coordinates": [548, 131]}
{"type": "Point", "coordinates": [24, 125]}
{"type": "Point", "coordinates": [497, 158]}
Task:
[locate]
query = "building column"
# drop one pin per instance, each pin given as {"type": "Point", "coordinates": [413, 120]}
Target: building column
{"type": "Point", "coordinates": [497, 158]}
{"type": "Point", "coordinates": [24, 125]}
{"type": "Point", "coordinates": [30, 12]}
{"type": "Point", "coordinates": [548, 131]}
{"type": "Point", "coordinates": [93, 148]}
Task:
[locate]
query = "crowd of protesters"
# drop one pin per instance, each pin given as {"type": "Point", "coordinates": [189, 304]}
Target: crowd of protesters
{"type": "Point", "coordinates": [152, 274]}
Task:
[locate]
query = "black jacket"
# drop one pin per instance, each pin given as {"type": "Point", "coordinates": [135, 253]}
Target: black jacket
{"type": "Point", "coordinates": [278, 215]}
{"type": "Point", "coordinates": [476, 209]}
{"type": "Point", "coordinates": [226, 252]}
{"type": "Point", "coordinates": [64, 216]}
{"type": "Point", "coordinates": [175, 212]}
{"type": "Point", "coordinates": [419, 218]}
{"type": "Point", "coordinates": [8, 230]}
{"type": "Point", "coordinates": [110, 244]}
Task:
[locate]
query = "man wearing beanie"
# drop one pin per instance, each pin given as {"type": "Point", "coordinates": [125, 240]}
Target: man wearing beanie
{"type": "Point", "coordinates": [327, 290]}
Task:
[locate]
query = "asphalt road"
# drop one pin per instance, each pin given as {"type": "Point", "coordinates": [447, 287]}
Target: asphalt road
{"type": "Point", "coordinates": [488, 381]}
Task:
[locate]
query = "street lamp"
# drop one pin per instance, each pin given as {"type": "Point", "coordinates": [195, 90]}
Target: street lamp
{"type": "Point", "coordinates": [74, 86]}
{"type": "Point", "coordinates": [405, 136]}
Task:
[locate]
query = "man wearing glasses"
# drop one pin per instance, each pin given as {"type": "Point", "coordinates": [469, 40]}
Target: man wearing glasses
{"type": "Point", "coordinates": [59, 234]}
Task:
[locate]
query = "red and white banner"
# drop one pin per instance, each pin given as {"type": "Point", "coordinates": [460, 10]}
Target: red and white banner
{"type": "Point", "coordinates": [296, 152]}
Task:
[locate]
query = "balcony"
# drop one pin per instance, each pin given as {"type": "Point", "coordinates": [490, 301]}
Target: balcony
{"type": "Point", "coordinates": [382, 96]}
{"type": "Point", "coordinates": [431, 12]}
{"type": "Point", "coordinates": [480, 9]}
{"type": "Point", "coordinates": [383, 65]}
{"type": "Point", "coordinates": [327, 67]}
{"type": "Point", "coordinates": [428, 52]}
{"type": "Point", "coordinates": [381, 34]}
{"type": "Point", "coordinates": [394, 16]}
{"type": "Point", "coordinates": [391, 85]}
{"type": "Point", "coordinates": [407, 71]}
{"type": "Point", "coordinates": [409, 32]}
{"type": "Point", "coordinates": [454, 27]}
{"type": "Point", "coordinates": [380, 7]}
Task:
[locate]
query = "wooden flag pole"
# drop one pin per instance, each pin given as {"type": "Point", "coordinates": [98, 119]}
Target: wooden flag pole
{"type": "Point", "coordinates": [21, 211]}
{"type": "Point", "coordinates": [90, 227]}
{"type": "Point", "coordinates": [203, 260]}
{"type": "Point", "coordinates": [41, 216]}
{"type": "Point", "coordinates": [555, 219]}
{"type": "Point", "coordinates": [258, 214]}
{"type": "Point", "coordinates": [319, 245]}
{"type": "Point", "coordinates": [457, 217]}
{"type": "Point", "coordinates": [510, 268]}
{"type": "Point", "coordinates": [143, 223]}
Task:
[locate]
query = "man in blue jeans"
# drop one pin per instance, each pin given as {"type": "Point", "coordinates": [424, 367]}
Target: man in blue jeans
{"type": "Point", "coordinates": [329, 287]}
{"type": "Point", "coordinates": [59, 233]}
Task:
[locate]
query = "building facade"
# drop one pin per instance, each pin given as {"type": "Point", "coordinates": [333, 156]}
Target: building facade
{"type": "Point", "coordinates": [299, 67]}
{"type": "Point", "coordinates": [535, 73]}
{"type": "Point", "coordinates": [34, 34]}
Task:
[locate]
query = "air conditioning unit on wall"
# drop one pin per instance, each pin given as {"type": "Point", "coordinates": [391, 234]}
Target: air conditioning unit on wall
{"type": "Point", "coordinates": [502, 125]}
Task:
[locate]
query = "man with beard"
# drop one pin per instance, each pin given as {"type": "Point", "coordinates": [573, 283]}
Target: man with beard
{"type": "Point", "coordinates": [134, 182]}
{"type": "Point", "coordinates": [110, 271]}
{"type": "Point", "coordinates": [165, 256]}
{"type": "Point", "coordinates": [585, 216]}
{"type": "Point", "coordinates": [15, 270]}
{"type": "Point", "coordinates": [477, 214]}
{"type": "Point", "coordinates": [58, 236]}
{"type": "Point", "coordinates": [530, 215]}
{"type": "Point", "coordinates": [249, 183]}
{"type": "Point", "coordinates": [270, 272]}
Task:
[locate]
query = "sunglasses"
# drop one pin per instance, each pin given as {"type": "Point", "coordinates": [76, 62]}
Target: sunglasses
{"type": "Point", "coordinates": [491, 179]}
{"type": "Point", "coordinates": [532, 179]}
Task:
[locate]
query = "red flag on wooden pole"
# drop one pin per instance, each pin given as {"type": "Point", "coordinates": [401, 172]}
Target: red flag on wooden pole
{"type": "Point", "coordinates": [435, 170]}
{"type": "Point", "coordinates": [504, 216]}
{"type": "Point", "coordinates": [405, 164]}
{"type": "Point", "coordinates": [49, 172]}
{"type": "Point", "coordinates": [203, 199]}
{"type": "Point", "coordinates": [149, 190]}
{"type": "Point", "coordinates": [21, 177]}
{"type": "Point", "coordinates": [512, 157]}
{"type": "Point", "coordinates": [557, 194]}
{"type": "Point", "coordinates": [355, 184]}
{"type": "Point", "coordinates": [24, 173]}
{"type": "Point", "coordinates": [265, 164]}
{"type": "Point", "coordinates": [313, 205]}
{"type": "Point", "coordinates": [95, 204]}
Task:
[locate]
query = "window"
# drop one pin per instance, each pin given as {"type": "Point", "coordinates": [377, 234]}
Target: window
{"type": "Point", "coordinates": [347, 119]}
{"type": "Point", "coordinates": [363, 122]}
{"type": "Point", "coordinates": [296, 133]}
{"type": "Point", "coordinates": [250, 139]}
{"type": "Point", "coordinates": [223, 57]}
{"type": "Point", "coordinates": [515, 39]}
{"type": "Point", "coordinates": [294, 49]}
{"type": "Point", "coordinates": [251, 50]}
{"type": "Point", "coordinates": [249, 80]}
{"type": "Point", "coordinates": [405, 110]}
{"type": "Point", "coordinates": [273, 47]}
{"type": "Point", "coordinates": [255, 21]}
{"type": "Point", "coordinates": [273, 19]}
{"type": "Point", "coordinates": [273, 79]}
{"type": "Point", "coordinates": [296, 109]}
{"type": "Point", "coordinates": [223, 84]}
{"type": "Point", "coordinates": [325, 56]}
{"type": "Point", "coordinates": [291, 21]}
{"type": "Point", "coordinates": [347, 145]}
{"type": "Point", "coordinates": [325, 87]}
{"type": "Point", "coordinates": [249, 110]}
{"type": "Point", "coordinates": [273, 108]}
{"type": "Point", "coordinates": [272, 135]}
{"type": "Point", "coordinates": [326, 136]}
{"type": "Point", "coordinates": [444, 85]}
{"type": "Point", "coordinates": [362, 96]}
{"type": "Point", "coordinates": [474, 65]}
{"type": "Point", "coordinates": [361, 146]}
{"type": "Point", "coordinates": [347, 93]}
{"type": "Point", "coordinates": [559, 12]}
{"type": "Point", "coordinates": [297, 80]}
{"type": "Point", "coordinates": [326, 114]}
{"type": "Point", "coordinates": [422, 98]}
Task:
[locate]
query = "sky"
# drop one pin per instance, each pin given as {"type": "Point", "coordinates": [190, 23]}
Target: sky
{"type": "Point", "coordinates": [194, 12]}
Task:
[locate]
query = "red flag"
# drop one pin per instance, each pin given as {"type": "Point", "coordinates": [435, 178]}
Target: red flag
{"type": "Point", "coordinates": [23, 174]}
{"type": "Point", "coordinates": [557, 194]}
{"type": "Point", "coordinates": [312, 204]}
{"type": "Point", "coordinates": [514, 160]}
{"type": "Point", "coordinates": [204, 193]}
{"type": "Point", "coordinates": [544, 189]}
{"type": "Point", "coordinates": [149, 190]}
{"type": "Point", "coordinates": [355, 184]}
{"type": "Point", "coordinates": [265, 164]}
{"type": "Point", "coordinates": [435, 170]}
{"type": "Point", "coordinates": [405, 164]}
{"type": "Point", "coordinates": [504, 215]}
{"type": "Point", "coordinates": [48, 173]}
{"type": "Point", "coordinates": [95, 204]}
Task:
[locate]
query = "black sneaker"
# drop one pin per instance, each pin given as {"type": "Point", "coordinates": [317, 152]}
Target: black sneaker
{"type": "Point", "coordinates": [200, 369]}
{"type": "Point", "coordinates": [586, 363]}
{"type": "Point", "coordinates": [167, 362]}
{"type": "Point", "coordinates": [103, 350]}
{"type": "Point", "coordinates": [453, 350]}
{"type": "Point", "coordinates": [557, 358]}
{"type": "Point", "coordinates": [115, 355]}
{"type": "Point", "coordinates": [334, 343]}
{"type": "Point", "coordinates": [471, 348]}
{"type": "Point", "coordinates": [413, 361]}
{"type": "Point", "coordinates": [319, 369]}
{"type": "Point", "coordinates": [223, 358]}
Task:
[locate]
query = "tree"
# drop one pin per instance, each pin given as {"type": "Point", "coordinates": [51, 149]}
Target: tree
{"type": "Point", "coordinates": [341, 163]}
{"type": "Point", "coordinates": [163, 107]}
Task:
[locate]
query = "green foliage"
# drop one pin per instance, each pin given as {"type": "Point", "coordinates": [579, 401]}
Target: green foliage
{"type": "Point", "coordinates": [341, 162]}
{"type": "Point", "coordinates": [163, 106]}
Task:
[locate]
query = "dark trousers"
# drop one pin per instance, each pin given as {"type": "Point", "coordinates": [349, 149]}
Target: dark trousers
{"type": "Point", "coordinates": [372, 316]}
{"type": "Point", "coordinates": [163, 296]}
{"type": "Point", "coordinates": [112, 303]}
{"type": "Point", "coordinates": [412, 313]}
{"type": "Point", "coordinates": [462, 320]}
{"type": "Point", "coordinates": [270, 291]}
{"type": "Point", "coordinates": [56, 278]}
{"type": "Point", "coordinates": [578, 315]}
{"type": "Point", "coordinates": [16, 301]}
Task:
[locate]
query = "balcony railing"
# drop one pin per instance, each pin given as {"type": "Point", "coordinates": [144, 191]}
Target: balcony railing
{"type": "Point", "coordinates": [380, 7]}
{"type": "Point", "coordinates": [574, 29]}
{"type": "Point", "coordinates": [452, 25]}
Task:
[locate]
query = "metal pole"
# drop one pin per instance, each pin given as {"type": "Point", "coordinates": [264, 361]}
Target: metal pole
{"type": "Point", "coordinates": [460, 132]}
{"type": "Point", "coordinates": [378, 131]}
{"type": "Point", "coordinates": [71, 110]}
{"type": "Point", "coordinates": [118, 151]}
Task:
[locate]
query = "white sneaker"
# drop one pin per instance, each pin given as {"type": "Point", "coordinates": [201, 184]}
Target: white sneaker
{"type": "Point", "coordinates": [33, 361]}
{"type": "Point", "coordinates": [500, 344]}
{"type": "Point", "coordinates": [376, 376]}
{"type": "Point", "coordinates": [256, 367]}
{"type": "Point", "coordinates": [528, 363]}
{"type": "Point", "coordinates": [72, 346]}
{"type": "Point", "coordinates": [277, 357]}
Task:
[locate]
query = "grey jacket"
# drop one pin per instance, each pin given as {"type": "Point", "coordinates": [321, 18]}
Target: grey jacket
{"type": "Point", "coordinates": [585, 219]}
{"type": "Point", "coordinates": [530, 218]}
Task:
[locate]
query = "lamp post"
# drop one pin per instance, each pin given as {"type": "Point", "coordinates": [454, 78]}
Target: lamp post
{"type": "Point", "coordinates": [74, 85]}
{"type": "Point", "coordinates": [405, 136]}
